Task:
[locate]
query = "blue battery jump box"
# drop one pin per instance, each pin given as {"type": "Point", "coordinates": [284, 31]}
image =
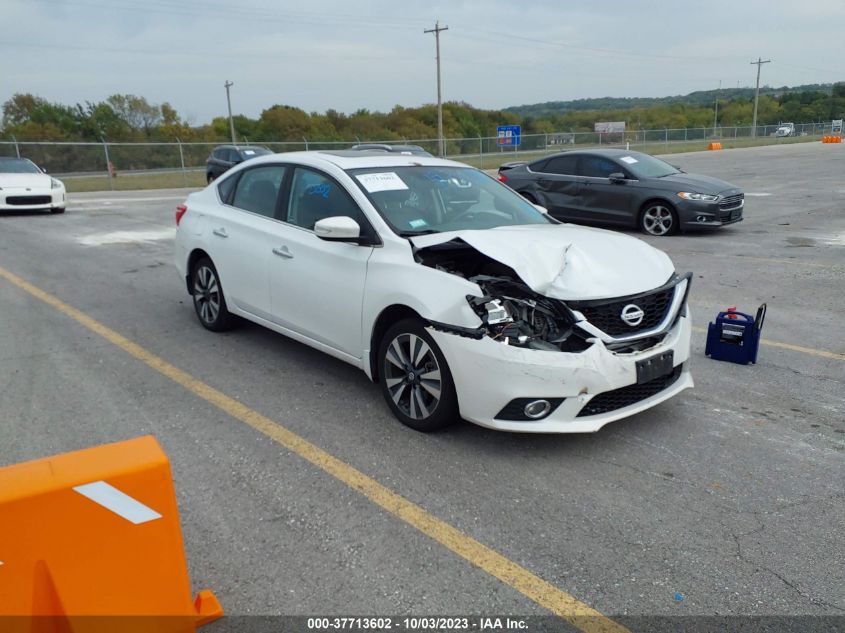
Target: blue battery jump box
{"type": "Point", "coordinates": [735, 336]}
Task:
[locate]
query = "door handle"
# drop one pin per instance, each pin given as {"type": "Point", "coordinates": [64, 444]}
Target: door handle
{"type": "Point", "coordinates": [283, 251]}
{"type": "Point", "coordinates": [221, 232]}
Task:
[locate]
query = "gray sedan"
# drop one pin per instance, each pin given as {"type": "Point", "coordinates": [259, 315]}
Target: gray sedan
{"type": "Point", "coordinates": [624, 188]}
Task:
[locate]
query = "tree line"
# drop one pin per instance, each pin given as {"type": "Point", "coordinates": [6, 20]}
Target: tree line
{"type": "Point", "coordinates": [130, 118]}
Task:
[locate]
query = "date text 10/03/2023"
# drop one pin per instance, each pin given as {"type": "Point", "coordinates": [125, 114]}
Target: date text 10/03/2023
{"type": "Point", "coordinates": [424, 623]}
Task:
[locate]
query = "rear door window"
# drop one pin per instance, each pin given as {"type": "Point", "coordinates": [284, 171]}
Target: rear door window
{"type": "Point", "coordinates": [562, 165]}
{"type": "Point", "coordinates": [257, 189]}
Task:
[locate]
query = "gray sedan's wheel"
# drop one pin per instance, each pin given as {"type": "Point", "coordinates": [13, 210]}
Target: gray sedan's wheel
{"type": "Point", "coordinates": [415, 378]}
{"type": "Point", "coordinates": [209, 178]}
{"type": "Point", "coordinates": [57, 210]}
{"type": "Point", "coordinates": [209, 301]}
{"type": "Point", "coordinates": [659, 219]}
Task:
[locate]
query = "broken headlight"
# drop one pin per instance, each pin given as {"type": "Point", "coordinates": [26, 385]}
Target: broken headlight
{"type": "Point", "coordinates": [514, 315]}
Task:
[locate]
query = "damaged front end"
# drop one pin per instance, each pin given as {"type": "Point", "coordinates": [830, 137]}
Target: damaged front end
{"type": "Point", "coordinates": [514, 314]}
{"type": "Point", "coordinates": [510, 312]}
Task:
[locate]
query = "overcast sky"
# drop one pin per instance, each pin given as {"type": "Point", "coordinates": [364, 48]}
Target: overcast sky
{"type": "Point", "coordinates": [348, 55]}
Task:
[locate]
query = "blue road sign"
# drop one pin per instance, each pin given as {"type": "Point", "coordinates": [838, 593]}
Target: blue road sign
{"type": "Point", "coordinates": [508, 135]}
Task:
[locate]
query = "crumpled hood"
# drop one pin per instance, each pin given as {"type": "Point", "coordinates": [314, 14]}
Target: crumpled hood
{"type": "Point", "coordinates": [566, 261]}
{"type": "Point", "coordinates": [21, 181]}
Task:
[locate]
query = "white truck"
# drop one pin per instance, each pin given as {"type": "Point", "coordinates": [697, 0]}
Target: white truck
{"type": "Point", "coordinates": [785, 129]}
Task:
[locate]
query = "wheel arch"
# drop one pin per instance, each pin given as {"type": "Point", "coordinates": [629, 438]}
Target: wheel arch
{"type": "Point", "coordinates": [387, 317]}
{"type": "Point", "coordinates": [651, 200]}
{"type": "Point", "coordinates": [196, 255]}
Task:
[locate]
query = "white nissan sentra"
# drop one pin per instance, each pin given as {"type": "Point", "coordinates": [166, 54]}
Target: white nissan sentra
{"type": "Point", "coordinates": [451, 291]}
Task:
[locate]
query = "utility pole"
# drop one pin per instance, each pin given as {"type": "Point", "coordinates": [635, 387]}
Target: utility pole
{"type": "Point", "coordinates": [716, 109]}
{"type": "Point", "coordinates": [759, 63]}
{"type": "Point", "coordinates": [436, 30]}
{"type": "Point", "coordinates": [228, 85]}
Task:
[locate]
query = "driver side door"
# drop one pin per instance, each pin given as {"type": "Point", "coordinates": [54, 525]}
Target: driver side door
{"type": "Point", "coordinates": [317, 286]}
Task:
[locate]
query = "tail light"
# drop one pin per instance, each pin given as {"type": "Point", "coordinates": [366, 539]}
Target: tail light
{"type": "Point", "coordinates": [502, 178]}
{"type": "Point", "coordinates": [180, 211]}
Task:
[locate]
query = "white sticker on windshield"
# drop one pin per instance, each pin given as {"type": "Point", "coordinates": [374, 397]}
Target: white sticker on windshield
{"type": "Point", "coordinates": [418, 223]}
{"type": "Point", "coordinates": [629, 159]}
{"type": "Point", "coordinates": [249, 152]}
{"type": "Point", "coordinates": [387, 181]}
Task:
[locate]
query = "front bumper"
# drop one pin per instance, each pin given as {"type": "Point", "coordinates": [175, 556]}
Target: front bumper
{"type": "Point", "coordinates": [32, 200]}
{"type": "Point", "coordinates": [699, 214]}
{"type": "Point", "coordinates": [488, 375]}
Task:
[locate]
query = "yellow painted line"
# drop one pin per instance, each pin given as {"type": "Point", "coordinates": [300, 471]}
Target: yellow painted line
{"type": "Point", "coordinates": [812, 351]}
{"type": "Point", "coordinates": [528, 584]}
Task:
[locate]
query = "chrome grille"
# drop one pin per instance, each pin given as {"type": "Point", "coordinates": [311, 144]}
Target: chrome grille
{"type": "Point", "coordinates": [729, 203]}
{"type": "Point", "coordinates": [606, 316]}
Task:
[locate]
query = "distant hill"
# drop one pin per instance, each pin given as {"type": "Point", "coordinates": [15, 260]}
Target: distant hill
{"type": "Point", "coordinates": [698, 98]}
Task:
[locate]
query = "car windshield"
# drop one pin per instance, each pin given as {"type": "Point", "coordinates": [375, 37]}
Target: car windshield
{"type": "Point", "coordinates": [424, 199]}
{"type": "Point", "coordinates": [645, 166]}
{"type": "Point", "coordinates": [18, 166]}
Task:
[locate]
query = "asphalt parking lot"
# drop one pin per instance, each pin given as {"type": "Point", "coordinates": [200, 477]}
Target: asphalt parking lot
{"type": "Point", "coordinates": [727, 500]}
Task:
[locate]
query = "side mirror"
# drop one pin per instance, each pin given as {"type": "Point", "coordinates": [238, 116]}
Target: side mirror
{"type": "Point", "coordinates": [617, 177]}
{"type": "Point", "coordinates": [541, 208]}
{"type": "Point", "coordinates": [338, 228]}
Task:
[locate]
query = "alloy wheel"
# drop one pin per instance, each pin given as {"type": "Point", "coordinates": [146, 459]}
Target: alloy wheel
{"type": "Point", "coordinates": [658, 220]}
{"type": "Point", "coordinates": [412, 376]}
{"type": "Point", "coordinates": [206, 294]}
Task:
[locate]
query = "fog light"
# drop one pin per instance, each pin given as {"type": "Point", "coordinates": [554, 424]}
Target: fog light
{"type": "Point", "coordinates": [537, 409]}
{"type": "Point", "coordinates": [701, 218]}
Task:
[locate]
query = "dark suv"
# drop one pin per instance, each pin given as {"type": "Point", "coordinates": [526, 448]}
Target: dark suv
{"type": "Point", "coordinates": [225, 157]}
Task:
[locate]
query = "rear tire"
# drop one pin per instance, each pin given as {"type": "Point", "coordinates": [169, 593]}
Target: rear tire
{"type": "Point", "coordinates": [209, 300]}
{"type": "Point", "coordinates": [415, 379]}
{"type": "Point", "coordinates": [57, 210]}
{"type": "Point", "coordinates": [209, 178]}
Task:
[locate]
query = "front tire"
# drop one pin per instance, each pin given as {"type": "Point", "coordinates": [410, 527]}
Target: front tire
{"type": "Point", "coordinates": [415, 378]}
{"type": "Point", "coordinates": [57, 210]}
{"type": "Point", "coordinates": [659, 219]}
{"type": "Point", "coordinates": [209, 300]}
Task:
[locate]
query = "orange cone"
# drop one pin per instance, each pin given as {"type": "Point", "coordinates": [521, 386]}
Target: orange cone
{"type": "Point", "coordinates": [90, 542]}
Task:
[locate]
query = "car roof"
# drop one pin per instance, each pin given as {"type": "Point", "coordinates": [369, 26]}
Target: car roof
{"type": "Point", "coordinates": [239, 147]}
{"type": "Point", "coordinates": [386, 147]}
{"type": "Point", "coordinates": [607, 153]}
{"type": "Point", "coordinates": [359, 159]}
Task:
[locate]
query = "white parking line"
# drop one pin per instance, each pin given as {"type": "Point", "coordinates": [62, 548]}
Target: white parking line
{"type": "Point", "coordinates": [127, 237]}
{"type": "Point", "coordinates": [109, 201]}
{"type": "Point", "coordinates": [756, 194]}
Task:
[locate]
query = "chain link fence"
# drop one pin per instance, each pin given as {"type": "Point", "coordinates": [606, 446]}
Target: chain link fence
{"type": "Point", "coordinates": [76, 159]}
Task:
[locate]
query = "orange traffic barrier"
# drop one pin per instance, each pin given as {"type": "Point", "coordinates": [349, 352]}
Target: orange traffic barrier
{"type": "Point", "coordinates": [90, 541]}
{"type": "Point", "coordinates": [832, 139]}
{"type": "Point", "coordinates": [714, 146]}
{"type": "Point", "coordinates": [825, 139]}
